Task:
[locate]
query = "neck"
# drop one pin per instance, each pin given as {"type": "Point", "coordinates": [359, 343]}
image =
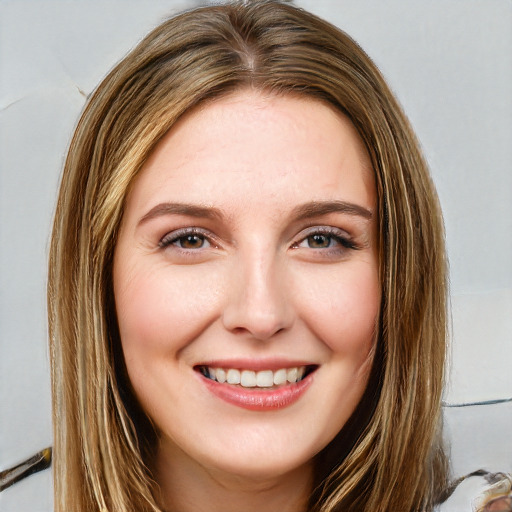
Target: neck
{"type": "Point", "coordinates": [187, 486]}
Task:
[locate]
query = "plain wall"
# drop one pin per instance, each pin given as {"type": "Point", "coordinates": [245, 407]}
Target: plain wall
{"type": "Point", "coordinates": [449, 63]}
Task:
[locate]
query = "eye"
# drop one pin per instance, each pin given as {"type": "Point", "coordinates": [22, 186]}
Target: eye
{"type": "Point", "coordinates": [319, 241]}
{"type": "Point", "coordinates": [326, 238]}
{"type": "Point", "coordinates": [186, 239]}
{"type": "Point", "coordinates": [191, 242]}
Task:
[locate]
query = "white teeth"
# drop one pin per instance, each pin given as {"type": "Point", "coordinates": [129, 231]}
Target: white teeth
{"type": "Point", "coordinates": [252, 379]}
{"type": "Point", "coordinates": [220, 375]}
{"type": "Point", "coordinates": [248, 379]}
{"type": "Point", "coordinates": [265, 379]}
{"type": "Point", "coordinates": [291, 375]}
{"type": "Point", "coordinates": [280, 377]}
{"type": "Point", "coordinates": [233, 376]}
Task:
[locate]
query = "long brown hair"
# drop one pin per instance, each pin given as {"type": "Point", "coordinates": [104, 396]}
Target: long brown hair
{"type": "Point", "coordinates": [389, 456]}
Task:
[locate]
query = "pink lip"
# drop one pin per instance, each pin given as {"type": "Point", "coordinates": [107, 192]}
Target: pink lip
{"type": "Point", "coordinates": [259, 399]}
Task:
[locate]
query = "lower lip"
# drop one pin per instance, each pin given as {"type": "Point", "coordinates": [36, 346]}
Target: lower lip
{"type": "Point", "coordinates": [259, 399]}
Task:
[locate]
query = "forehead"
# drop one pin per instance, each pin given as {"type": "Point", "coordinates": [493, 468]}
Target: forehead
{"type": "Point", "coordinates": [252, 144]}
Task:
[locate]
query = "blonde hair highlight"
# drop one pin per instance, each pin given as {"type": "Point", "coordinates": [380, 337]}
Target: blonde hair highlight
{"type": "Point", "coordinates": [389, 457]}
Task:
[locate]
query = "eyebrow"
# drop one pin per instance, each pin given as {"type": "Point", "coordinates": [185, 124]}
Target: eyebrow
{"type": "Point", "coordinates": [191, 210]}
{"type": "Point", "coordinates": [301, 212]}
{"type": "Point", "coordinates": [318, 208]}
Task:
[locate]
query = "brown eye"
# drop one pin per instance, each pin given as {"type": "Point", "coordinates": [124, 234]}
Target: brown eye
{"type": "Point", "coordinates": [191, 242]}
{"type": "Point", "coordinates": [186, 240]}
{"type": "Point", "coordinates": [319, 241]}
{"type": "Point", "coordinates": [326, 240]}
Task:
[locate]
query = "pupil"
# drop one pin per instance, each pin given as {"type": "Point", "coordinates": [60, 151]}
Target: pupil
{"type": "Point", "coordinates": [318, 241]}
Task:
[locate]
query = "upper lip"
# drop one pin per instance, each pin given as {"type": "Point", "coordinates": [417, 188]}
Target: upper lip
{"type": "Point", "coordinates": [255, 364]}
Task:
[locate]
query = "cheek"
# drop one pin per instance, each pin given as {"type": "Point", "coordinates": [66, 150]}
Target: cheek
{"type": "Point", "coordinates": [342, 308]}
{"type": "Point", "coordinates": [161, 311]}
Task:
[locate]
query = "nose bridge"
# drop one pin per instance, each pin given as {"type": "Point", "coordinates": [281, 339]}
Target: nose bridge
{"type": "Point", "coordinates": [258, 302]}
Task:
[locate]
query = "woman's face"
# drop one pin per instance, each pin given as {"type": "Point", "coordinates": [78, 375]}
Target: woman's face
{"type": "Point", "coordinates": [246, 282]}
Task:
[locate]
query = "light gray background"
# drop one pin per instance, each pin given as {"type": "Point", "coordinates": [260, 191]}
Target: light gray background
{"type": "Point", "coordinates": [448, 61]}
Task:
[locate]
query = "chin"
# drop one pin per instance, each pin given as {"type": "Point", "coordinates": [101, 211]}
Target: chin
{"type": "Point", "coordinates": [263, 469]}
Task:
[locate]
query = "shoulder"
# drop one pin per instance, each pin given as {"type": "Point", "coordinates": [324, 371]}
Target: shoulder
{"type": "Point", "coordinates": [473, 491]}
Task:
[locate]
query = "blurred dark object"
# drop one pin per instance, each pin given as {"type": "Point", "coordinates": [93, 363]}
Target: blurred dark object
{"type": "Point", "coordinates": [38, 462]}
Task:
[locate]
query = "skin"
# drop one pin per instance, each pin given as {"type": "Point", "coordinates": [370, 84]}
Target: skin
{"type": "Point", "coordinates": [257, 281]}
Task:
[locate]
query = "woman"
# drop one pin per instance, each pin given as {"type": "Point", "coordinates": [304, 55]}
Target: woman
{"type": "Point", "coordinates": [235, 173]}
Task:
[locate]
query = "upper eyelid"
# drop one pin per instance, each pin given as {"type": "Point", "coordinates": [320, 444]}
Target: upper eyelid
{"type": "Point", "coordinates": [323, 229]}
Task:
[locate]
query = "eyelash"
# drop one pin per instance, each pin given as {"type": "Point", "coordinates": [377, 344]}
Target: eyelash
{"type": "Point", "coordinates": [342, 241]}
{"type": "Point", "coordinates": [181, 234]}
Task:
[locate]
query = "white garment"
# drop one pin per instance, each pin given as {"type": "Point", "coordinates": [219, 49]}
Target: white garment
{"type": "Point", "coordinates": [472, 493]}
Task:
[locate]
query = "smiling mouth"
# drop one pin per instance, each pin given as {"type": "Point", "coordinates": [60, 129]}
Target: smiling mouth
{"type": "Point", "coordinates": [256, 379]}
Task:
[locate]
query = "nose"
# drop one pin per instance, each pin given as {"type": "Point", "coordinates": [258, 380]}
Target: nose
{"type": "Point", "coordinates": [259, 302]}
